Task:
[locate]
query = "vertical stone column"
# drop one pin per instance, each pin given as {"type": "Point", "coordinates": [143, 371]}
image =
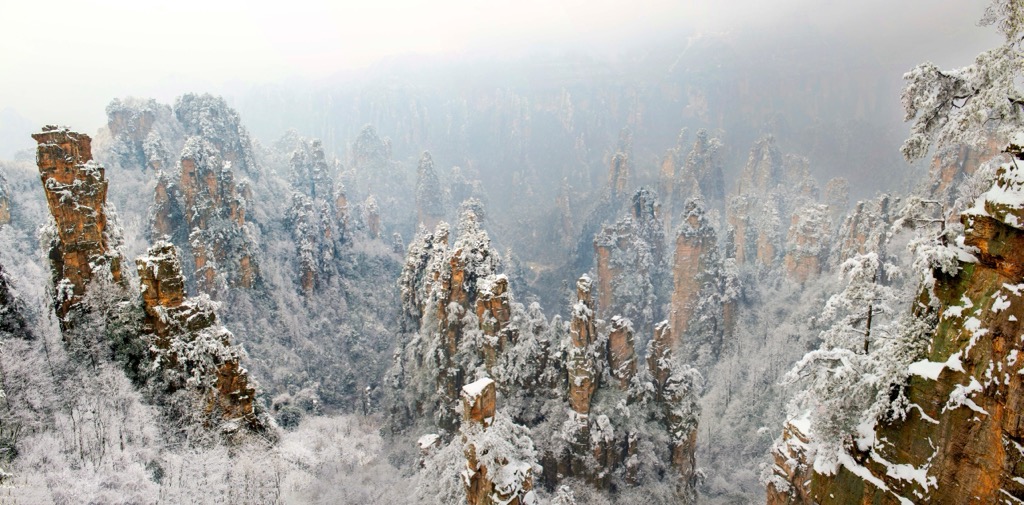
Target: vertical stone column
{"type": "Point", "coordinates": [76, 193]}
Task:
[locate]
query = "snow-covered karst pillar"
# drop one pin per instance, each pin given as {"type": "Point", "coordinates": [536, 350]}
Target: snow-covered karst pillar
{"type": "Point", "coordinates": [695, 240]}
{"type": "Point", "coordinates": [76, 193]}
{"type": "Point", "coordinates": [582, 365]}
{"type": "Point", "coordinates": [621, 352]}
{"type": "Point", "coordinates": [499, 466]}
{"type": "Point", "coordinates": [5, 202]}
{"type": "Point", "coordinates": [192, 350]}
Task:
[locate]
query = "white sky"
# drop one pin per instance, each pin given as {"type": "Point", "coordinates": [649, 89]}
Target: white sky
{"type": "Point", "coordinates": [63, 60]}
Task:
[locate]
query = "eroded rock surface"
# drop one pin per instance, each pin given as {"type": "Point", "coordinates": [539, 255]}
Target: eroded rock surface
{"type": "Point", "coordinates": [76, 194]}
{"type": "Point", "coordinates": [194, 352]}
{"type": "Point", "coordinates": [961, 439]}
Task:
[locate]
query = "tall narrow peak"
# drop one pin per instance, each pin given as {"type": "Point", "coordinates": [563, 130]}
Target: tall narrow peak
{"type": "Point", "coordinates": [76, 194]}
{"type": "Point", "coordinates": [696, 296]}
{"type": "Point", "coordinates": [5, 201]}
{"type": "Point", "coordinates": [194, 352]}
{"type": "Point", "coordinates": [429, 197]}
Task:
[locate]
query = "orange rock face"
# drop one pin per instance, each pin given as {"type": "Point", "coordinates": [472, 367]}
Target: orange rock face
{"type": "Point", "coordinates": [493, 313]}
{"type": "Point", "coordinates": [76, 193]}
{"type": "Point", "coordinates": [605, 244]}
{"type": "Point", "coordinates": [479, 406]}
{"type": "Point", "coordinates": [807, 245]}
{"type": "Point", "coordinates": [963, 436]}
{"type": "Point", "coordinates": [631, 253]}
{"type": "Point", "coordinates": [479, 402]}
{"type": "Point", "coordinates": [176, 324]}
{"type": "Point", "coordinates": [581, 363]}
{"type": "Point", "coordinates": [791, 474]}
{"type": "Point", "coordinates": [213, 207]}
{"type": "Point", "coordinates": [692, 245]}
{"type": "Point", "coordinates": [621, 352]}
{"type": "Point", "coordinates": [948, 170]}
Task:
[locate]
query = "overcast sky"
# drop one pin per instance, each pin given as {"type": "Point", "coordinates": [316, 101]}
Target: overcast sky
{"type": "Point", "coordinates": [63, 60]}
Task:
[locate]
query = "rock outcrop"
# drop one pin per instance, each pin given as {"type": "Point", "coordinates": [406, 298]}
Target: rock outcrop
{"type": "Point", "coordinates": [204, 204]}
{"type": "Point", "coordinates": [582, 363]}
{"type": "Point", "coordinates": [865, 229]}
{"type": "Point", "coordinates": [772, 189]}
{"type": "Point", "coordinates": [210, 118]}
{"type": "Point", "coordinates": [5, 201]}
{"type": "Point", "coordinates": [694, 271]}
{"type": "Point", "coordinates": [144, 134]}
{"type": "Point", "coordinates": [960, 440]}
{"type": "Point", "coordinates": [452, 293]}
{"type": "Point", "coordinates": [429, 197]}
{"type": "Point", "coordinates": [575, 389]}
{"type": "Point", "coordinates": [82, 248]}
{"type": "Point", "coordinates": [704, 165]}
{"type": "Point", "coordinates": [807, 243]}
{"type": "Point", "coordinates": [318, 215]}
{"type": "Point", "coordinates": [691, 171]}
{"type": "Point", "coordinates": [494, 474]}
{"type": "Point", "coordinates": [194, 353]}
{"type": "Point", "coordinates": [621, 352]}
{"type": "Point", "coordinates": [630, 258]}
{"type": "Point", "coordinates": [618, 175]}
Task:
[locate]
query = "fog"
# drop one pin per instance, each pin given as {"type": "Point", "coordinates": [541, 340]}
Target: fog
{"type": "Point", "coordinates": [64, 60]}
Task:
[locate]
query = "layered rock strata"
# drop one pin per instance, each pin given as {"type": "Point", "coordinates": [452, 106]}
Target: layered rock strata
{"type": "Point", "coordinates": [193, 350]}
{"type": "Point", "coordinates": [76, 193]}
{"type": "Point", "coordinates": [962, 437]}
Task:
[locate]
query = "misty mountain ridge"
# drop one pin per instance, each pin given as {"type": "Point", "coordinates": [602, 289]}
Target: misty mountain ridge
{"type": "Point", "coordinates": [714, 269]}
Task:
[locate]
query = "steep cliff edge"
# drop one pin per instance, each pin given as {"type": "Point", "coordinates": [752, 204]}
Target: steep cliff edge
{"type": "Point", "coordinates": [961, 436]}
{"type": "Point", "coordinates": [194, 353]}
{"type": "Point", "coordinates": [76, 193]}
{"type": "Point", "coordinates": [596, 413]}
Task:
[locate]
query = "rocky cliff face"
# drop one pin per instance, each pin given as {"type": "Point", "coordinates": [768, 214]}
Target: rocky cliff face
{"type": "Point", "coordinates": [453, 294]}
{"type": "Point", "coordinates": [195, 354]}
{"type": "Point", "coordinates": [960, 440]}
{"type": "Point", "coordinates": [773, 189]}
{"type": "Point", "coordinates": [429, 197]}
{"type": "Point", "coordinates": [318, 215]}
{"type": "Point", "coordinates": [5, 201]}
{"type": "Point", "coordinates": [583, 363]}
{"type": "Point", "coordinates": [577, 389]}
{"type": "Point", "coordinates": [203, 160]}
{"type": "Point", "coordinates": [696, 305]}
{"type": "Point", "coordinates": [807, 243]}
{"type": "Point", "coordinates": [618, 175]}
{"type": "Point", "coordinates": [213, 206]}
{"type": "Point", "coordinates": [76, 192]}
{"type": "Point", "coordinates": [864, 230]}
{"type": "Point", "coordinates": [144, 133]}
{"type": "Point", "coordinates": [210, 118]}
{"type": "Point", "coordinates": [630, 258]}
{"type": "Point", "coordinates": [494, 474]}
{"type": "Point", "coordinates": [690, 171]}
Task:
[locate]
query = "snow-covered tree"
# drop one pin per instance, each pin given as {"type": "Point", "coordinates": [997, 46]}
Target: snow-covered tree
{"type": "Point", "coordinates": [964, 105]}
